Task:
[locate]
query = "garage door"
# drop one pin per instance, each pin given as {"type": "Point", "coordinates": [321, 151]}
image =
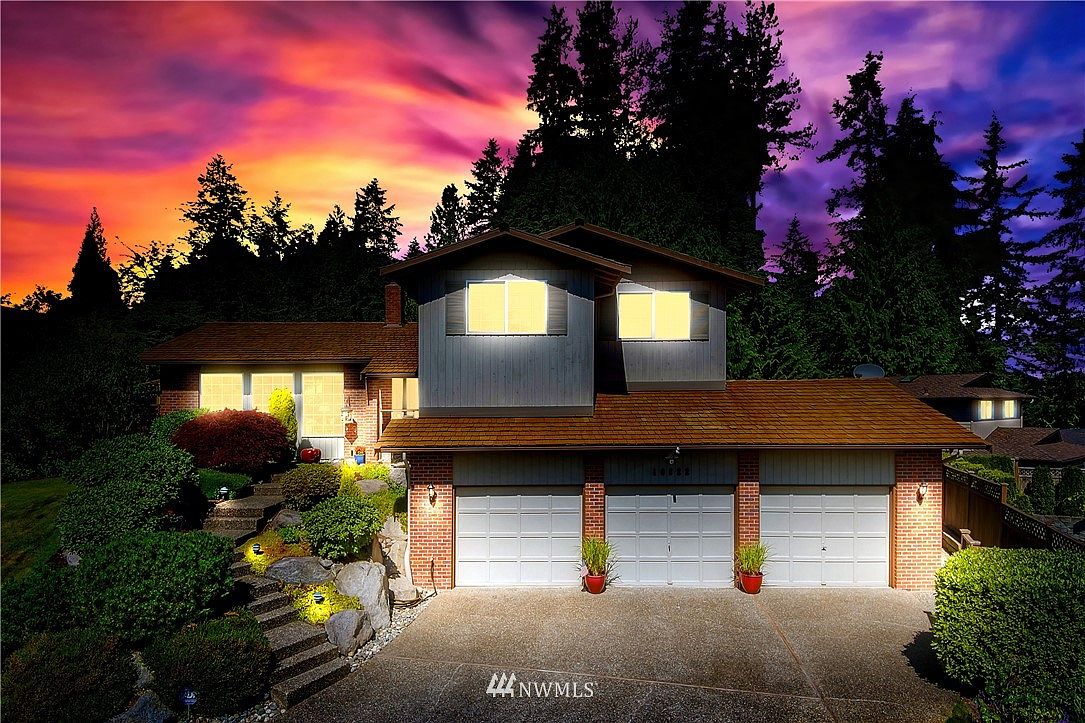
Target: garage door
{"type": "Point", "coordinates": [672, 536]}
{"type": "Point", "coordinates": [832, 536]}
{"type": "Point", "coordinates": [517, 535]}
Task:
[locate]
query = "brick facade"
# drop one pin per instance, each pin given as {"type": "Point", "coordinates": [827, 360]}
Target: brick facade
{"type": "Point", "coordinates": [916, 534]}
{"type": "Point", "coordinates": [393, 304]}
{"type": "Point", "coordinates": [363, 397]}
{"type": "Point", "coordinates": [594, 522]}
{"type": "Point", "coordinates": [748, 498]}
{"type": "Point", "coordinates": [180, 388]}
{"type": "Point", "coordinates": [431, 522]}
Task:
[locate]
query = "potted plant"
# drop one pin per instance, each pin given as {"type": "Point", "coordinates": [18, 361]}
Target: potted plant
{"type": "Point", "coordinates": [596, 553]}
{"type": "Point", "coordinates": [749, 561]}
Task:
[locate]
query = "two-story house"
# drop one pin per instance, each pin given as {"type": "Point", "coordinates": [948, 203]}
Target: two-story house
{"type": "Point", "coordinates": [574, 383]}
{"type": "Point", "coordinates": [971, 399]}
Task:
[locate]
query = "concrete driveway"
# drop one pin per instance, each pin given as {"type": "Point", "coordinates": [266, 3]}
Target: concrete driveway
{"type": "Point", "coordinates": [652, 654]}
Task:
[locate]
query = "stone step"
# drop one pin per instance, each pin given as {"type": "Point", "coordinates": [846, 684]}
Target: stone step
{"type": "Point", "coordinates": [306, 660]}
{"type": "Point", "coordinates": [276, 618]}
{"type": "Point", "coordinates": [231, 523]}
{"type": "Point", "coordinates": [256, 506]}
{"type": "Point", "coordinates": [294, 637]}
{"type": "Point", "coordinates": [294, 690]}
{"type": "Point", "coordinates": [272, 601]}
{"type": "Point", "coordinates": [259, 585]}
{"type": "Point", "coordinates": [239, 567]}
{"type": "Point", "coordinates": [237, 534]}
{"type": "Point", "coordinates": [268, 489]}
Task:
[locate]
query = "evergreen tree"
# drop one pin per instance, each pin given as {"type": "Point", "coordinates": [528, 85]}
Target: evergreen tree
{"type": "Point", "coordinates": [373, 224]}
{"type": "Point", "coordinates": [484, 191]}
{"type": "Point", "coordinates": [94, 286]}
{"type": "Point", "coordinates": [143, 264]}
{"type": "Point", "coordinates": [446, 222]}
{"type": "Point", "coordinates": [334, 233]}
{"type": "Point", "coordinates": [1041, 490]}
{"type": "Point", "coordinates": [218, 215]}
{"type": "Point", "coordinates": [1071, 493]}
{"type": "Point", "coordinates": [271, 232]}
{"type": "Point", "coordinates": [800, 265]}
{"type": "Point", "coordinates": [413, 248]}
{"type": "Point", "coordinates": [597, 46]}
{"type": "Point", "coordinates": [554, 85]}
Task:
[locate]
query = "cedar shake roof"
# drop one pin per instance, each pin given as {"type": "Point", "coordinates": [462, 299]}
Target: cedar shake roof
{"type": "Point", "coordinates": [1043, 445]}
{"type": "Point", "coordinates": [810, 413]}
{"type": "Point", "coordinates": [387, 349]}
{"type": "Point", "coordinates": [955, 386]}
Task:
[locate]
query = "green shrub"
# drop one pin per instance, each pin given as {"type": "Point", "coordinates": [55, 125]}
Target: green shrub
{"type": "Point", "coordinates": [314, 613]}
{"type": "Point", "coordinates": [148, 583]}
{"type": "Point", "coordinates": [1012, 623]}
{"type": "Point", "coordinates": [351, 471]}
{"type": "Point", "coordinates": [996, 462]}
{"type": "Point", "coordinates": [387, 501]}
{"type": "Point", "coordinates": [1072, 492]}
{"type": "Point", "coordinates": [225, 661]}
{"type": "Point", "coordinates": [1041, 490]}
{"type": "Point", "coordinates": [272, 548]}
{"type": "Point", "coordinates": [1016, 498]}
{"type": "Point", "coordinates": [291, 535]}
{"type": "Point", "coordinates": [124, 484]}
{"type": "Point", "coordinates": [76, 675]}
{"type": "Point", "coordinates": [307, 484]}
{"type": "Point", "coordinates": [995, 475]}
{"type": "Point", "coordinates": [212, 480]}
{"type": "Point", "coordinates": [39, 601]}
{"type": "Point", "coordinates": [342, 527]}
{"type": "Point", "coordinates": [165, 425]}
{"type": "Point", "coordinates": [281, 406]}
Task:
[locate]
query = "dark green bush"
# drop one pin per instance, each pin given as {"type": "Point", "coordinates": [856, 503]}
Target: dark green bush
{"type": "Point", "coordinates": [1072, 492]}
{"type": "Point", "coordinates": [226, 661]}
{"type": "Point", "coordinates": [165, 425]}
{"type": "Point", "coordinates": [388, 502]}
{"type": "Point", "coordinates": [135, 482]}
{"type": "Point", "coordinates": [211, 480]}
{"type": "Point", "coordinates": [291, 535]}
{"type": "Point", "coordinates": [76, 675]}
{"type": "Point", "coordinates": [39, 601]}
{"type": "Point", "coordinates": [149, 583]}
{"type": "Point", "coordinates": [1012, 623]}
{"type": "Point", "coordinates": [342, 527]}
{"type": "Point", "coordinates": [980, 470]}
{"type": "Point", "coordinates": [998, 462]}
{"type": "Point", "coordinates": [1041, 490]}
{"type": "Point", "coordinates": [307, 484]}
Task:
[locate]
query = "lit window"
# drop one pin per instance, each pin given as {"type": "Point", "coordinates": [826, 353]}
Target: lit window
{"type": "Point", "coordinates": [1009, 409]}
{"type": "Point", "coordinates": [220, 391]}
{"type": "Point", "coordinates": [264, 384]}
{"type": "Point", "coordinates": [987, 409]}
{"type": "Point", "coordinates": [322, 404]}
{"type": "Point", "coordinates": [506, 307]}
{"type": "Point", "coordinates": [404, 397]}
{"type": "Point", "coordinates": [654, 315]}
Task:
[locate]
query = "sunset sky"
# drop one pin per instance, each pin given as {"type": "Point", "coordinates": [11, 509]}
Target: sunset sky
{"type": "Point", "coordinates": [120, 106]}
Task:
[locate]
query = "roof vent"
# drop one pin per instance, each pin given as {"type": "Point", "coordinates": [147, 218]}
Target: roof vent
{"type": "Point", "coordinates": [868, 371]}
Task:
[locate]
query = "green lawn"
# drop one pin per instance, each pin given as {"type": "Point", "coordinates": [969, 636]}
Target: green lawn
{"type": "Point", "coordinates": [27, 515]}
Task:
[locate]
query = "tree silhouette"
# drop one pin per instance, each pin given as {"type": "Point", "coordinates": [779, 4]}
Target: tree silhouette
{"type": "Point", "coordinates": [94, 286]}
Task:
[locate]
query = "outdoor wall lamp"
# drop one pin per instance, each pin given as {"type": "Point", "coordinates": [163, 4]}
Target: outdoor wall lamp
{"type": "Point", "coordinates": [673, 456]}
{"type": "Point", "coordinates": [922, 492]}
{"type": "Point", "coordinates": [432, 494]}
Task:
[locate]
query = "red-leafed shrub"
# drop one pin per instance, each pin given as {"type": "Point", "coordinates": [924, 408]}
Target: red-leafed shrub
{"type": "Point", "coordinates": [234, 441]}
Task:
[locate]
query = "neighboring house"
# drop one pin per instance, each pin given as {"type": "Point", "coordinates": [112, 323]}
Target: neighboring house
{"type": "Point", "coordinates": [970, 399]}
{"type": "Point", "coordinates": [574, 383]}
{"type": "Point", "coordinates": [1033, 447]}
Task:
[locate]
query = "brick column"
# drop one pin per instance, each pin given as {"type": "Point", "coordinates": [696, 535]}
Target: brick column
{"type": "Point", "coordinates": [362, 396]}
{"type": "Point", "coordinates": [916, 542]}
{"type": "Point", "coordinates": [180, 388]}
{"type": "Point", "coordinates": [748, 498]}
{"type": "Point", "coordinates": [595, 522]}
{"type": "Point", "coordinates": [430, 531]}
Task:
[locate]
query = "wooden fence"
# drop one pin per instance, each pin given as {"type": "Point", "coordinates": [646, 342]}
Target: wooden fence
{"type": "Point", "coordinates": [977, 506]}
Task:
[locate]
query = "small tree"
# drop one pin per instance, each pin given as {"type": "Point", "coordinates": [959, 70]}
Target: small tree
{"type": "Point", "coordinates": [1042, 491]}
{"type": "Point", "coordinates": [281, 406]}
{"type": "Point", "coordinates": [1072, 492]}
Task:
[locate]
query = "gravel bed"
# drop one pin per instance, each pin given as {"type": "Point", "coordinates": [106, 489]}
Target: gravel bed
{"type": "Point", "coordinates": [401, 618]}
{"type": "Point", "coordinates": [259, 713]}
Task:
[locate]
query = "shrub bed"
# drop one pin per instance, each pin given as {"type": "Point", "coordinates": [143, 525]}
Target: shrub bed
{"type": "Point", "coordinates": [1012, 623]}
{"type": "Point", "coordinates": [314, 613]}
{"type": "Point", "coordinates": [212, 480]}
{"type": "Point", "coordinates": [76, 675]}
{"type": "Point", "coordinates": [342, 527]}
{"type": "Point", "coordinates": [272, 548]}
{"type": "Point", "coordinates": [40, 601]}
{"type": "Point", "coordinates": [225, 661]}
{"type": "Point", "coordinates": [149, 583]}
{"type": "Point", "coordinates": [135, 482]}
{"type": "Point", "coordinates": [307, 484]}
{"type": "Point", "coordinates": [234, 441]}
{"type": "Point", "coordinates": [163, 427]}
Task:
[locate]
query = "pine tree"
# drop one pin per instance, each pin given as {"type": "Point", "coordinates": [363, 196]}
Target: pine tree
{"type": "Point", "coordinates": [413, 248]}
{"type": "Point", "coordinates": [334, 233]}
{"type": "Point", "coordinates": [484, 191]}
{"type": "Point", "coordinates": [373, 223]}
{"type": "Point", "coordinates": [597, 46]}
{"type": "Point", "coordinates": [446, 222]}
{"type": "Point", "coordinates": [95, 286]}
{"type": "Point", "coordinates": [554, 85]}
{"type": "Point", "coordinates": [271, 232]}
{"type": "Point", "coordinates": [799, 263]}
{"type": "Point", "coordinates": [218, 215]}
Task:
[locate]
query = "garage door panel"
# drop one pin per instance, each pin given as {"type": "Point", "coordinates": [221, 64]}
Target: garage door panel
{"type": "Point", "coordinates": [652, 521]}
{"type": "Point", "coordinates": [873, 522]}
{"type": "Point", "coordinates": [685, 547]}
{"type": "Point", "coordinates": [567, 523]}
{"type": "Point", "coordinates": [651, 547]}
{"type": "Point", "coordinates": [871, 573]}
{"type": "Point", "coordinates": [839, 522]}
{"type": "Point", "coordinates": [471, 523]}
{"type": "Point", "coordinates": [806, 521]}
{"type": "Point", "coordinates": [502, 523]}
{"type": "Point", "coordinates": [717, 522]}
{"type": "Point", "coordinates": [774, 522]}
{"type": "Point", "coordinates": [685, 521]}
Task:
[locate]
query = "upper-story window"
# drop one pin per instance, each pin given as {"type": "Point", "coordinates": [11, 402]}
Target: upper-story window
{"type": "Point", "coordinates": [404, 397]}
{"type": "Point", "coordinates": [221, 391]}
{"type": "Point", "coordinates": [654, 315]}
{"type": "Point", "coordinates": [506, 307]}
{"type": "Point", "coordinates": [987, 409]}
{"type": "Point", "coordinates": [1009, 408]}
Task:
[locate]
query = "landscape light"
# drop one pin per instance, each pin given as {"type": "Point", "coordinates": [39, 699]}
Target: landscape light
{"type": "Point", "coordinates": [256, 549]}
{"type": "Point", "coordinates": [318, 597]}
{"type": "Point", "coordinates": [224, 492]}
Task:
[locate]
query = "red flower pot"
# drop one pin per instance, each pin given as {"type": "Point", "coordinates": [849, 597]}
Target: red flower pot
{"type": "Point", "coordinates": [595, 583]}
{"type": "Point", "coordinates": [751, 583]}
{"type": "Point", "coordinates": [309, 454]}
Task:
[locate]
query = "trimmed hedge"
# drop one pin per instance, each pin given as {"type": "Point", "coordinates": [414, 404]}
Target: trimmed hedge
{"type": "Point", "coordinates": [135, 482]}
{"type": "Point", "coordinates": [76, 675]}
{"type": "Point", "coordinates": [234, 441]}
{"type": "Point", "coordinates": [281, 406]}
{"type": "Point", "coordinates": [307, 484]}
{"type": "Point", "coordinates": [1041, 490]}
{"type": "Point", "coordinates": [997, 462]}
{"type": "Point", "coordinates": [163, 427]}
{"type": "Point", "coordinates": [1012, 623]}
{"type": "Point", "coordinates": [212, 480]}
{"type": "Point", "coordinates": [39, 601]}
{"type": "Point", "coordinates": [149, 583]}
{"type": "Point", "coordinates": [342, 527]}
{"type": "Point", "coordinates": [226, 661]}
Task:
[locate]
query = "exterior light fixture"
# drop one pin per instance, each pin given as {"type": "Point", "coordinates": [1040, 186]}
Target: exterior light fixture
{"type": "Point", "coordinates": [188, 699]}
{"type": "Point", "coordinates": [345, 413]}
{"type": "Point", "coordinates": [922, 492]}
{"type": "Point", "coordinates": [224, 492]}
{"type": "Point", "coordinates": [673, 456]}
{"type": "Point", "coordinates": [256, 549]}
{"type": "Point", "coordinates": [432, 494]}
{"type": "Point", "coordinates": [318, 597]}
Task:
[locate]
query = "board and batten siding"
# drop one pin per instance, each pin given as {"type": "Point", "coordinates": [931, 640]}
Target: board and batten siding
{"type": "Point", "coordinates": [481, 374]}
{"type": "Point", "coordinates": [498, 469]}
{"type": "Point", "coordinates": [829, 467]}
{"type": "Point", "coordinates": [652, 468]}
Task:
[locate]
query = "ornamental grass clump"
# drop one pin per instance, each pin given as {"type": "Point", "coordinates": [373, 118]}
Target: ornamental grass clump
{"type": "Point", "coordinates": [331, 601]}
{"type": "Point", "coordinates": [751, 558]}
{"type": "Point", "coordinates": [596, 553]}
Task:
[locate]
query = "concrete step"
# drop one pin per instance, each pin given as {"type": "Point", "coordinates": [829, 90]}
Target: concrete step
{"type": "Point", "coordinates": [272, 601]}
{"type": "Point", "coordinates": [268, 489]}
{"type": "Point", "coordinates": [256, 506]}
{"type": "Point", "coordinates": [237, 534]}
{"type": "Point", "coordinates": [294, 637]}
{"type": "Point", "coordinates": [294, 690]}
{"type": "Point", "coordinates": [259, 586]}
{"type": "Point", "coordinates": [213, 523]}
{"type": "Point", "coordinates": [276, 618]}
{"type": "Point", "coordinates": [306, 660]}
{"type": "Point", "coordinates": [239, 567]}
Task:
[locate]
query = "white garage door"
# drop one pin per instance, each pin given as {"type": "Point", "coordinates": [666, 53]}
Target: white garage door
{"type": "Point", "coordinates": [517, 535]}
{"type": "Point", "coordinates": [672, 536]}
{"type": "Point", "coordinates": [832, 536]}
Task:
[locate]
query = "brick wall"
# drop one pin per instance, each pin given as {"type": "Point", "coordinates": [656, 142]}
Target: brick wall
{"type": "Point", "coordinates": [180, 388]}
{"type": "Point", "coordinates": [393, 304]}
{"type": "Point", "coordinates": [363, 398]}
{"type": "Point", "coordinates": [748, 498]}
{"type": "Point", "coordinates": [594, 499]}
{"type": "Point", "coordinates": [431, 523]}
{"type": "Point", "coordinates": [917, 524]}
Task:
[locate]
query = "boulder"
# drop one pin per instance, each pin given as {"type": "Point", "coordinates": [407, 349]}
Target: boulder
{"type": "Point", "coordinates": [148, 709]}
{"type": "Point", "coordinates": [285, 518]}
{"type": "Point", "coordinates": [398, 474]}
{"type": "Point", "coordinates": [299, 571]}
{"type": "Point", "coordinates": [368, 581]}
{"type": "Point", "coordinates": [393, 544]}
{"type": "Point", "coordinates": [349, 630]}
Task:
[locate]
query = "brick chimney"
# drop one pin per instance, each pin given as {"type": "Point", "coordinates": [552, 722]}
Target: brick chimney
{"type": "Point", "coordinates": [393, 304]}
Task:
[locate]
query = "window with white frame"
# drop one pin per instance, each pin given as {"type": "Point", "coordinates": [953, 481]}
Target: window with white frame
{"type": "Point", "coordinates": [221, 391]}
{"type": "Point", "coordinates": [322, 404]}
{"type": "Point", "coordinates": [506, 307]}
{"type": "Point", "coordinates": [263, 384]}
{"type": "Point", "coordinates": [987, 409]}
{"type": "Point", "coordinates": [404, 397]}
{"type": "Point", "coordinates": [654, 315]}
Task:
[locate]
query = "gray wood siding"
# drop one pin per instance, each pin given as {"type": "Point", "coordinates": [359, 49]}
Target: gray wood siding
{"type": "Point", "coordinates": [711, 468]}
{"type": "Point", "coordinates": [474, 374]}
{"type": "Point", "coordinates": [517, 468]}
{"type": "Point", "coordinates": [831, 467]}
